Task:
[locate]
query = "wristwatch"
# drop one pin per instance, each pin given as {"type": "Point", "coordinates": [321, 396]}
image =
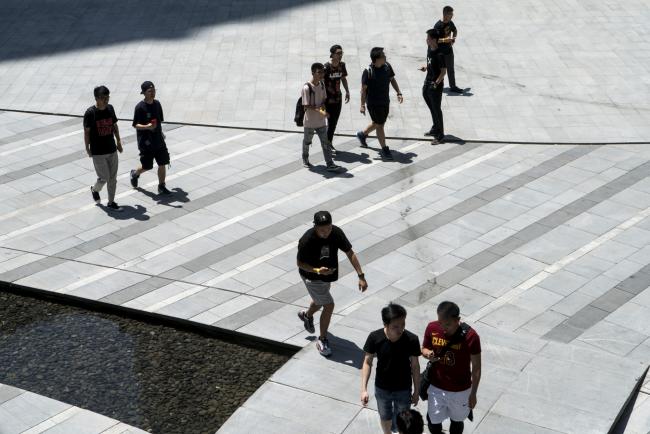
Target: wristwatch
{"type": "Point", "coordinates": [362, 276]}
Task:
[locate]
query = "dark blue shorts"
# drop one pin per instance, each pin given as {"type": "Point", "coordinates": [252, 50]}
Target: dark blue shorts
{"type": "Point", "coordinates": [390, 403]}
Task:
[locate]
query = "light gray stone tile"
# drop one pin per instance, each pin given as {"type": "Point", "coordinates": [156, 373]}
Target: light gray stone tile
{"type": "Point", "coordinates": [495, 423]}
{"type": "Point", "coordinates": [612, 338]}
{"type": "Point", "coordinates": [7, 393]}
{"type": "Point", "coordinates": [632, 316]}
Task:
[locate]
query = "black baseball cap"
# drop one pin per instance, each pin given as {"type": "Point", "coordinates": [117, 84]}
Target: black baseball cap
{"type": "Point", "coordinates": [146, 86]}
{"type": "Point", "coordinates": [322, 218]}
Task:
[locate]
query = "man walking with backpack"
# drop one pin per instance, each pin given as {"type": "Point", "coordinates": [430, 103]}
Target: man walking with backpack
{"type": "Point", "coordinates": [375, 83]}
{"type": "Point", "coordinates": [315, 118]}
{"type": "Point", "coordinates": [454, 349]}
{"type": "Point", "coordinates": [100, 133]}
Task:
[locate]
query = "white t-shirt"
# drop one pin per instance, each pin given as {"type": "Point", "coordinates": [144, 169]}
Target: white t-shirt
{"type": "Point", "coordinates": [313, 119]}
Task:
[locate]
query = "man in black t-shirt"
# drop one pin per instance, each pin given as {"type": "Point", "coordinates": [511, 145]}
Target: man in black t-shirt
{"type": "Point", "coordinates": [448, 31]}
{"type": "Point", "coordinates": [375, 82]}
{"type": "Point", "coordinates": [147, 120]}
{"type": "Point", "coordinates": [433, 84]}
{"type": "Point", "coordinates": [398, 367]}
{"type": "Point", "coordinates": [335, 76]}
{"type": "Point", "coordinates": [100, 132]}
{"type": "Point", "coordinates": [318, 266]}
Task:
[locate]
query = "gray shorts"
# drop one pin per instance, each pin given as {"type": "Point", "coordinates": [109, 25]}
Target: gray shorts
{"type": "Point", "coordinates": [319, 291]}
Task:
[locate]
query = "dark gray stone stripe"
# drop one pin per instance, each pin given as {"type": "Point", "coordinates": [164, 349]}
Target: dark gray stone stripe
{"type": "Point", "coordinates": [136, 290]}
{"type": "Point", "coordinates": [42, 130]}
{"type": "Point", "coordinates": [597, 310]}
{"type": "Point", "coordinates": [249, 314]}
{"type": "Point", "coordinates": [29, 269]}
{"type": "Point", "coordinates": [447, 216]}
{"type": "Point", "coordinates": [37, 168]}
{"type": "Point", "coordinates": [49, 164]}
{"type": "Point", "coordinates": [204, 261]}
{"type": "Point", "coordinates": [492, 254]}
{"type": "Point", "coordinates": [128, 231]}
{"type": "Point", "coordinates": [296, 220]}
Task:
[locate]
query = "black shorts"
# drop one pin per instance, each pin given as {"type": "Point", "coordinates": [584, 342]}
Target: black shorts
{"type": "Point", "coordinates": [378, 113]}
{"type": "Point", "coordinates": [161, 155]}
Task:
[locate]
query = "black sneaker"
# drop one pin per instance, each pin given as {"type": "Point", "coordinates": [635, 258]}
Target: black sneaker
{"type": "Point", "coordinates": [333, 168]}
{"type": "Point", "coordinates": [134, 179]}
{"type": "Point", "coordinates": [456, 89]}
{"type": "Point", "coordinates": [308, 321]}
{"type": "Point", "coordinates": [114, 207]}
{"type": "Point", "coordinates": [162, 189]}
{"type": "Point", "coordinates": [96, 197]}
{"type": "Point", "coordinates": [386, 154]}
{"type": "Point", "coordinates": [306, 163]}
{"type": "Point", "coordinates": [362, 139]}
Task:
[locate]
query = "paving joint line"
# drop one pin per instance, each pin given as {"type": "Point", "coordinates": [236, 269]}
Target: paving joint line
{"type": "Point", "coordinates": [141, 273]}
{"type": "Point", "coordinates": [281, 130]}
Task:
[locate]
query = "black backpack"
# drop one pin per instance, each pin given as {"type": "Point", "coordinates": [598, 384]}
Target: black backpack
{"type": "Point", "coordinates": [299, 117]}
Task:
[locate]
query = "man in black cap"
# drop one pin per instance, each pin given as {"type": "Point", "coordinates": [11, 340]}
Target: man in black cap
{"type": "Point", "coordinates": [147, 120]}
{"type": "Point", "coordinates": [317, 264]}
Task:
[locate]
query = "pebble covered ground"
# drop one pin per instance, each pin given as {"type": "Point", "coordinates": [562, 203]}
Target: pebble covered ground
{"type": "Point", "coordinates": [158, 378]}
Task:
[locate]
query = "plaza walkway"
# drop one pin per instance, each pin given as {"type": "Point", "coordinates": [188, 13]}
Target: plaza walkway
{"type": "Point", "coordinates": [546, 247]}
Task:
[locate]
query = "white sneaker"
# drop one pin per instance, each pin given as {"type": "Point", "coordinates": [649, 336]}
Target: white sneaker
{"type": "Point", "coordinates": [323, 347]}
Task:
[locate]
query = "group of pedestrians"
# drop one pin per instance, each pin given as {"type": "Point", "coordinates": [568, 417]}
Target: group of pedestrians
{"type": "Point", "coordinates": [103, 142]}
{"type": "Point", "coordinates": [452, 348]}
{"type": "Point", "coordinates": [322, 98]}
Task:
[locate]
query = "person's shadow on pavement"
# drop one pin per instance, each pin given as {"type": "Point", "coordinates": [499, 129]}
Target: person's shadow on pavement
{"type": "Point", "coordinates": [322, 170]}
{"type": "Point", "coordinates": [128, 212]}
{"type": "Point", "coordinates": [343, 351]}
{"type": "Point", "coordinates": [178, 195]}
{"type": "Point", "coordinates": [398, 156]}
{"type": "Point", "coordinates": [466, 92]}
{"type": "Point", "coordinates": [450, 138]}
{"type": "Point", "coordinates": [351, 157]}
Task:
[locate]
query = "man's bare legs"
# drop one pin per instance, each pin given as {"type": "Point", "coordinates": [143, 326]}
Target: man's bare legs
{"type": "Point", "coordinates": [162, 173]}
{"type": "Point", "coordinates": [325, 317]}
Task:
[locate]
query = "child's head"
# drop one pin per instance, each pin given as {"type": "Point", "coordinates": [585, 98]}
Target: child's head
{"type": "Point", "coordinates": [447, 13]}
{"type": "Point", "coordinates": [410, 422]}
{"type": "Point", "coordinates": [394, 319]}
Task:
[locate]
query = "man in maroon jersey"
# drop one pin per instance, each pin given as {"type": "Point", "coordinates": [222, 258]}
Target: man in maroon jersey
{"type": "Point", "coordinates": [455, 349]}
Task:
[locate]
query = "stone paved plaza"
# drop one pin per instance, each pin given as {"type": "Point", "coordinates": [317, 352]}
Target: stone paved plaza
{"type": "Point", "coordinates": [545, 247]}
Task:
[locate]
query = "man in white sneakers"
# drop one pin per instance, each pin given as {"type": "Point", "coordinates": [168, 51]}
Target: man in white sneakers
{"type": "Point", "coordinates": [318, 266]}
{"type": "Point", "coordinates": [100, 135]}
{"type": "Point", "coordinates": [314, 96]}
